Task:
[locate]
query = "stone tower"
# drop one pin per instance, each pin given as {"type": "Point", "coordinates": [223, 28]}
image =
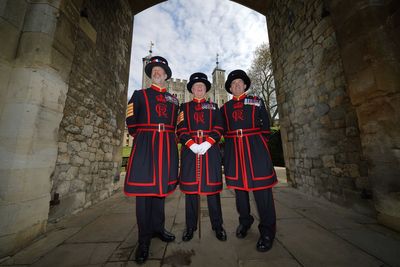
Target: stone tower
{"type": "Point", "coordinates": [146, 81]}
{"type": "Point", "coordinates": [218, 93]}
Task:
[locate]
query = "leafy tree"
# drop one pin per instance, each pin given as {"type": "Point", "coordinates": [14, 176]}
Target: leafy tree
{"type": "Point", "coordinates": [262, 80]}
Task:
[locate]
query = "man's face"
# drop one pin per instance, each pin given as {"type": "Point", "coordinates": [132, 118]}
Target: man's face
{"type": "Point", "coordinates": [237, 87]}
{"type": "Point", "coordinates": [158, 75]}
{"type": "Point", "coordinates": [199, 90]}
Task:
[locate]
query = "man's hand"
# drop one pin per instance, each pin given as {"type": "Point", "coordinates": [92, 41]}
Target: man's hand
{"type": "Point", "coordinates": [203, 147]}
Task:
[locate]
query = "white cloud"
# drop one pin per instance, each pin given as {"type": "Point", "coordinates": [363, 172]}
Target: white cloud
{"type": "Point", "coordinates": [189, 33]}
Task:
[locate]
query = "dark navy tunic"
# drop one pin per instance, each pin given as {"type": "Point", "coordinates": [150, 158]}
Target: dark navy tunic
{"type": "Point", "coordinates": [247, 161]}
{"type": "Point", "coordinates": [153, 164]}
{"type": "Point", "coordinates": [200, 120]}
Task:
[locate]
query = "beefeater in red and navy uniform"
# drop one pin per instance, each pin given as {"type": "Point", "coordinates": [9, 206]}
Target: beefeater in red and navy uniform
{"type": "Point", "coordinates": [247, 162]}
{"type": "Point", "coordinates": [199, 130]}
{"type": "Point", "coordinates": [152, 171]}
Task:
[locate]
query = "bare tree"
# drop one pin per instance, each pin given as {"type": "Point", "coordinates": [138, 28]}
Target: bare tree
{"type": "Point", "coordinates": [262, 79]}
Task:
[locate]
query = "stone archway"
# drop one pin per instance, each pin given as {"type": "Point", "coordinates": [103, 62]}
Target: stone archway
{"type": "Point", "coordinates": [64, 77]}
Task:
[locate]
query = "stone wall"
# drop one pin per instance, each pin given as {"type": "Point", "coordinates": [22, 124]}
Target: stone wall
{"type": "Point", "coordinates": [91, 131]}
{"type": "Point", "coordinates": [368, 35]}
{"type": "Point", "coordinates": [320, 133]}
{"type": "Point", "coordinates": [35, 61]}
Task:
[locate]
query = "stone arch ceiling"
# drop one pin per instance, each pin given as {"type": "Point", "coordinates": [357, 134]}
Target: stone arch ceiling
{"type": "Point", "coordinates": [257, 5]}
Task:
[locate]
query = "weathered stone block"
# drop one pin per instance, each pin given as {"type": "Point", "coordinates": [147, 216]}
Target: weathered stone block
{"type": "Point", "coordinates": [10, 36]}
{"type": "Point", "coordinates": [62, 147]}
{"type": "Point", "coordinates": [87, 130]}
{"type": "Point", "coordinates": [63, 188]}
{"type": "Point", "coordinates": [328, 161]}
{"type": "Point", "coordinates": [13, 12]}
{"type": "Point", "coordinates": [77, 186]}
{"type": "Point", "coordinates": [351, 170]}
{"type": "Point", "coordinates": [41, 18]}
{"type": "Point", "coordinates": [23, 215]}
{"type": "Point", "coordinates": [74, 146]}
{"type": "Point", "coordinates": [76, 161]}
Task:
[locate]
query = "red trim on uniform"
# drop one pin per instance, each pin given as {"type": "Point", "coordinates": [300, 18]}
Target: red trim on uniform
{"type": "Point", "coordinates": [218, 127]}
{"type": "Point", "coordinates": [130, 163]}
{"type": "Point", "coordinates": [146, 99]}
{"type": "Point", "coordinates": [251, 189]}
{"type": "Point", "coordinates": [188, 116]}
{"type": "Point", "coordinates": [173, 182]}
{"type": "Point", "coordinates": [158, 88]}
{"type": "Point", "coordinates": [199, 100]}
{"type": "Point", "coordinates": [204, 131]}
{"type": "Point", "coordinates": [218, 132]}
{"type": "Point", "coordinates": [153, 127]}
{"type": "Point", "coordinates": [188, 183]}
{"type": "Point", "coordinates": [227, 120]}
{"type": "Point", "coordinates": [244, 169]}
{"type": "Point", "coordinates": [140, 184]}
{"type": "Point", "coordinates": [266, 145]}
{"type": "Point", "coordinates": [237, 98]}
{"type": "Point", "coordinates": [242, 132]}
{"type": "Point", "coordinates": [264, 177]}
{"type": "Point", "coordinates": [236, 162]}
{"type": "Point", "coordinates": [210, 140]}
{"type": "Point", "coordinates": [160, 151]}
{"type": "Point", "coordinates": [167, 126]}
{"type": "Point", "coordinates": [181, 131]}
{"type": "Point", "coordinates": [208, 175]}
{"type": "Point", "coordinates": [257, 130]}
{"type": "Point", "coordinates": [196, 168]}
{"type": "Point", "coordinates": [254, 178]}
{"type": "Point", "coordinates": [173, 115]}
{"type": "Point", "coordinates": [244, 135]}
{"type": "Point", "coordinates": [250, 159]}
{"type": "Point", "coordinates": [155, 130]}
{"type": "Point", "coordinates": [168, 158]}
{"type": "Point", "coordinates": [211, 120]}
{"type": "Point", "coordinates": [148, 194]}
{"type": "Point", "coordinates": [189, 143]}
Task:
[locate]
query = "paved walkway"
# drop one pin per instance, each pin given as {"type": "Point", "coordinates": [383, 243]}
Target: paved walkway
{"type": "Point", "coordinates": [310, 232]}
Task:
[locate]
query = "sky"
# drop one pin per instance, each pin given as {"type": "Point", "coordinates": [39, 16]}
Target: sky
{"type": "Point", "coordinates": [189, 34]}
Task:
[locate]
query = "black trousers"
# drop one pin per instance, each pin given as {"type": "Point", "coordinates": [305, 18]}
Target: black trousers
{"type": "Point", "coordinates": [150, 217]}
{"type": "Point", "coordinates": [266, 210]}
{"type": "Point", "coordinates": [214, 210]}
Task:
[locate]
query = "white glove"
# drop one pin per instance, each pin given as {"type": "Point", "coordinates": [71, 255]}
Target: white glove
{"type": "Point", "coordinates": [195, 148]}
{"type": "Point", "coordinates": [203, 147]}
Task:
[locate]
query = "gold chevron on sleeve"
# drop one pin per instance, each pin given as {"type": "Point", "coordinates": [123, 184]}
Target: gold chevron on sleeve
{"type": "Point", "coordinates": [180, 117]}
{"type": "Point", "coordinates": [129, 110]}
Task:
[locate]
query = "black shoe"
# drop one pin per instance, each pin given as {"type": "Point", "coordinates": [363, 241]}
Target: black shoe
{"type": "Point", "coordinates": [220, 234]}
{"type": "Point", "coordinates": [241, 231]}
{"type": "Point", "coordinates": [165, 236]}
{"type": "Point", "coordinates": [188, 234]}
{"type": "Point", "coordinates": [142, 253]}
{"type": "Point", "coordinates": [264, 243]}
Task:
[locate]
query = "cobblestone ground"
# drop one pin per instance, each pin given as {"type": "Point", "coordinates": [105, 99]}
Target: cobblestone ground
{"type": "Point", "coordinates": [310, 232]}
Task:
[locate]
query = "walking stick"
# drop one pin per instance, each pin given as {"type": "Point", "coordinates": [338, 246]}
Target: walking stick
{"type": "Point", "coordinates": [198, 203]}
{"type": "Point", "coordinates": [198, 158]}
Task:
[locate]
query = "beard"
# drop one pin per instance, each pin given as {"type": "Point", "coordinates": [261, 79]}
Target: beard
{"type": "Point", "coordinates": [158, 79]}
